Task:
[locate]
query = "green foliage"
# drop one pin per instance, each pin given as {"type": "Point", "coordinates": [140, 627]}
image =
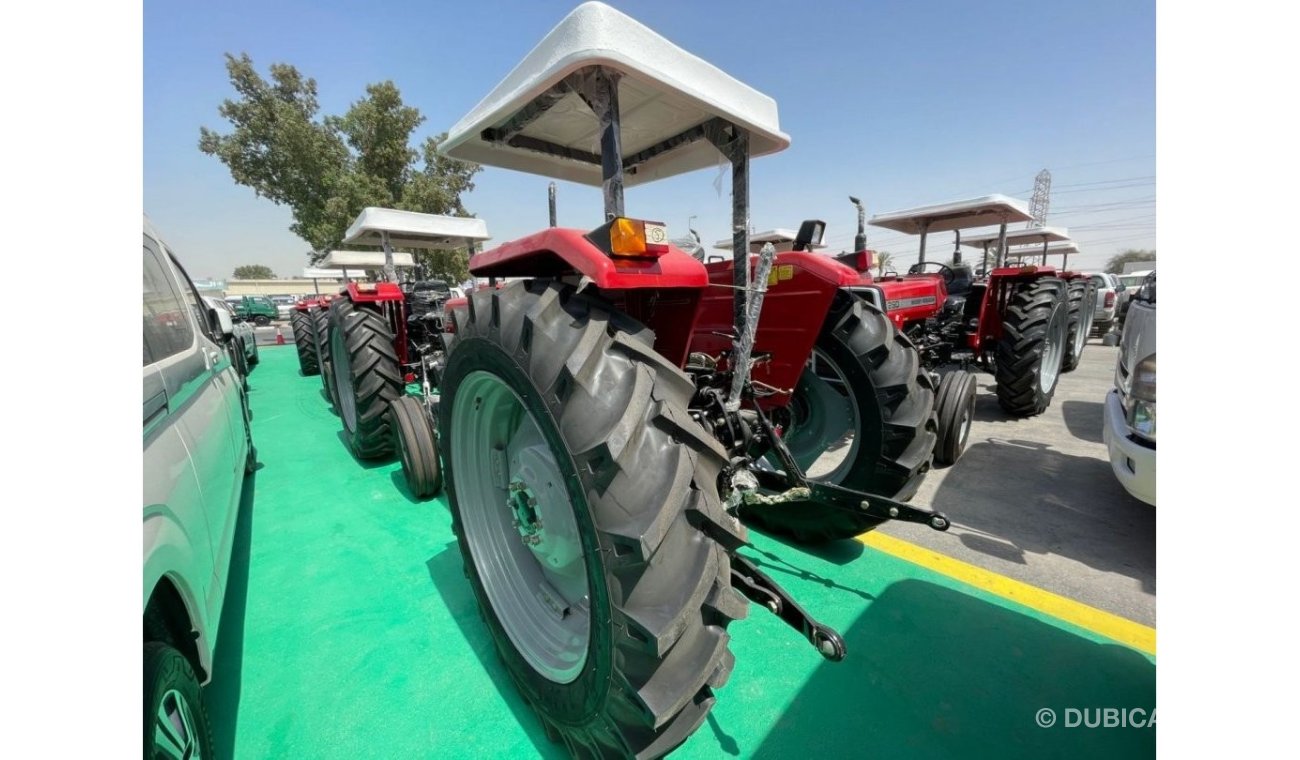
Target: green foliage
{"type": "Point", "coordinates": [1117, 262]}
{"type": "Point", "coordinates": [883, 258]}
{"type": "Point", "coordinates": [327, 168]}
{"type": "Point", "coordinates": [254, 272]}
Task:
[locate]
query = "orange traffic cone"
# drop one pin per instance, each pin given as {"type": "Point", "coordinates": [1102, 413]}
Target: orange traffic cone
{"type": "Point", "coordinates": [279, 337]}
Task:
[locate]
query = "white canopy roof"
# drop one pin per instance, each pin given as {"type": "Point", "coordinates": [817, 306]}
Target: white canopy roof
{"type": "Point", "coordinates": [411, 229]}
{"type": "Point", "coordinates": [777, 238]}
{"type": "Point", "coordinates": [1068, 246]}
{"type": "Point", "coordinates": [364, 260]}
{"type": "Point", "coordinates": [1020, 237]}
{"type": "Point", "coordinates": [320, 273]}
{"type": "Point", "coordinates": [664, 92]}
{"type": "Point", "coordinates": [957, 215]}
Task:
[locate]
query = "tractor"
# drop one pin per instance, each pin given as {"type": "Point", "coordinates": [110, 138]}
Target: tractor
{"type": "Point", "coordinates": [601, 440]}
{"type": "Point", "coordinates": [383, 335]}
{"type": "Point", "coordinates": [1018, 322]}
{"type": "Point", "coordinates": [307, 319]}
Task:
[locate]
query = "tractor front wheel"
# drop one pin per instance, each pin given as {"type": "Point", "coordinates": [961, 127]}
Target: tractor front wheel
{"type": "Point", "coordinates": [304, 339]}
{"type": "Point", "coordinates": [956, 412]}
{"type": "Point", "coordinates": [1035, 330]}
{"type": "Point", "coordinates": [861, 417]}
{"type": "Point", "coordinates": [367, 377]}
{"type": "Point", "coordinates": [417, 447]}
{"type": "Point", "coordinates": [584, 498]}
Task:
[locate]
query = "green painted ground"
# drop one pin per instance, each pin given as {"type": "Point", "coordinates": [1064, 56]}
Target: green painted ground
{"type": "Point", "coordinates": [351, 632]}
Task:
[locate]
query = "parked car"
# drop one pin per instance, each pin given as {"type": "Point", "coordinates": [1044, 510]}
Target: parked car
{"type": "Point", "coordinates": [259, 310]}
{"type": "Point", "coordinates": [284, 305]}
{"type": "Point", "coordinates": [1130, 413]}
{"type": "Point", "coordinates": [1109, 295]}
{"type": "Point", "coordinates": [1130, 282]}
{"type": "Point", "coordinates": [197, 450]}
{"type": "Point", "coordinates": [243, 343]}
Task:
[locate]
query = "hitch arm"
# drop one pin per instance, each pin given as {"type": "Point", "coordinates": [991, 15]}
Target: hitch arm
{"type": "Point", "coordinates": [756, 586]}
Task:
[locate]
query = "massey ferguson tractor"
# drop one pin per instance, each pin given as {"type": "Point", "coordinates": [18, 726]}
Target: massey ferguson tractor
{"type": "Point", "coordinates": [609, 413]}
{"type": "Point", "coordinates": [383, 335]}
{"type": "Point", "coordinates": [308, 320]}
{"type": "Point", "coordinates": [1019, 322]}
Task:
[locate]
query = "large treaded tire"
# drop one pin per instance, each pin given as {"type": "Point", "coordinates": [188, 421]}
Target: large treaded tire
{"type": "Point", "coordinates": [304, 339]}
{"type": "Point", "coordinates": [1019, 353]}
{"type": "Point", "coordinates": [367, 378]}
{"type": "Point", "coordinates": [894, 396]}
{"type": "Point", "coordinates": [955, 409]}
{"type": "Point", "coordinates": [642, 475]}
{"type": "Point", "coordinates": [323, 321]}
{"type": "Point", "coordinates": [417, 447]}
{"type": "Point", "coordinates": [1083, 302]}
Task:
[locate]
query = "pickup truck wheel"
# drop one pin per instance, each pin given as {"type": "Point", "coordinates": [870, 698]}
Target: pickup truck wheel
{"type": "Point", "coordinates": [175, 719]}
{"type": "Point", "coordinates": [261, 320]}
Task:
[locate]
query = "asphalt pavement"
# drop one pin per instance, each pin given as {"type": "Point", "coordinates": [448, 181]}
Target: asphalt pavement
{"type": "Point", "coordinates": [1035, 499]}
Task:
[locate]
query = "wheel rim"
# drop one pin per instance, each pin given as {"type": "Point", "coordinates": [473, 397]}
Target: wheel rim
{"type": "Point", "coordinates": [1053, 349]}
{"type": "Point", "coordinates": [964, 424]}
{"type": "Point", "coordinates": [342, 365]}
{"type": "Point", "coordinates": [174, 733]}
{"type": "Point", "coordinates": [824, 420]}
{"type": "Point", "coordinates": [517, 519]}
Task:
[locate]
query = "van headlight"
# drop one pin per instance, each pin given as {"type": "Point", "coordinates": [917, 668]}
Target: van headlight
{"type": "Point", "coordinates": [1141, 411]}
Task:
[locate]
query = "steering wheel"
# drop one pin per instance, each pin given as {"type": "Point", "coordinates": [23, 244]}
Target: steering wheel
{"type": "Point", "coordinates": [945, 271]}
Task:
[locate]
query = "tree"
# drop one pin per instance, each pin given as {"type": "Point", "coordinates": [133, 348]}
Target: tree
{"type": "Point", "coordinates": [327, 168]}
{"type": "Point", "coordinates": [1117, 262]}
{"type": "Point", "coordinates": [883, 258]}
{"type": "Point", "coordinates": [254, 272]}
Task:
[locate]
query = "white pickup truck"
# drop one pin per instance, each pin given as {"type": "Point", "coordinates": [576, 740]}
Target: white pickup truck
{"type": "Point", "coordinates": [1130, 412]}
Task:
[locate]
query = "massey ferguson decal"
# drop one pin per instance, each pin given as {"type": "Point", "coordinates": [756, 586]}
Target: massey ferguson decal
{"type": "Point", "coordinates": [907, 303]}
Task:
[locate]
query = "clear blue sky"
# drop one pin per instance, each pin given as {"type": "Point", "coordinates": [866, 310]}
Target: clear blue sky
{"type": "Point", "coordinates": [900, 103]}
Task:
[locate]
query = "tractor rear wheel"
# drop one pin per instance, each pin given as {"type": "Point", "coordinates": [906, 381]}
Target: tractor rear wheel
{"type": "Point", "coordinates": [323, 321]}
{"type": "Point", "coordinates": [861, 417]}
{"type": "Point", "coordinates": [1033, 345]}
{"type": "Point", "coordinates": [304, 339]}
{"type": "Point", "coordinates": [367, 377]}
{"type": "Point", "coordinates": [417, 447]}
{"type": "Point", "coordinates": [584, 498]}
{"type": "Point", "coordinates": [1083, 305]}
{"type": "Point", "coordinates": [956, 411]}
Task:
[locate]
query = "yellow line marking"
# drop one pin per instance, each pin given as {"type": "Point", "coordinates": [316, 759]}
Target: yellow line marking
{"type": "Point", "coordinates": [1125, 631]}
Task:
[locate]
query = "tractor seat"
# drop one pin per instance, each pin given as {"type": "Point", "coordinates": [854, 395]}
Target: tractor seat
{"type": "Point", "coordinates": [962, 279]}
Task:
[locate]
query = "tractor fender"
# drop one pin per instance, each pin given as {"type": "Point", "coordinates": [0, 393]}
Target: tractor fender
{"type": "Point", "coordinates": [374, 292]}
{"type": "Point", "coordinates": [558, 251]}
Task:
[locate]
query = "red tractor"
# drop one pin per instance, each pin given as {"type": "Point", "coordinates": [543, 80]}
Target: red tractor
{"type": "Point", "coordinates": [608, 414]}
{"type": "Point", "coordinates": [1022, 323]}
{"type": "Point", "coordinates": [308, 320]}
{"type": "Point", "coordinates": [376, 344]}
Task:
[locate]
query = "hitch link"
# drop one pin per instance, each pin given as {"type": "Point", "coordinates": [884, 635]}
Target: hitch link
{"type": "Point", "coordinates": [756, 586]}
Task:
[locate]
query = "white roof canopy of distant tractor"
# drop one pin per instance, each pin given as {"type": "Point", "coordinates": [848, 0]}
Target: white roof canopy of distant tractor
{"type": "Point", "coordinates": [669, 100]}
{"type": "Point", "coordinates": [412, 229]}
{"type": "Point", "coordinates": [1059, 249]}
{"type": "Point", "coordinates": [364, 260]}
{"type": "Point", "coordinates": [957, 215]}
{"type": "Point", "coordinates": [782, 239]}
{"type": "Point", "coordinates": [1038, 235]}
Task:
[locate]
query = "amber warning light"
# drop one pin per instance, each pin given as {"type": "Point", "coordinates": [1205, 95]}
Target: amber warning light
{"type": "Point", "coordinates": [621, 236]}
